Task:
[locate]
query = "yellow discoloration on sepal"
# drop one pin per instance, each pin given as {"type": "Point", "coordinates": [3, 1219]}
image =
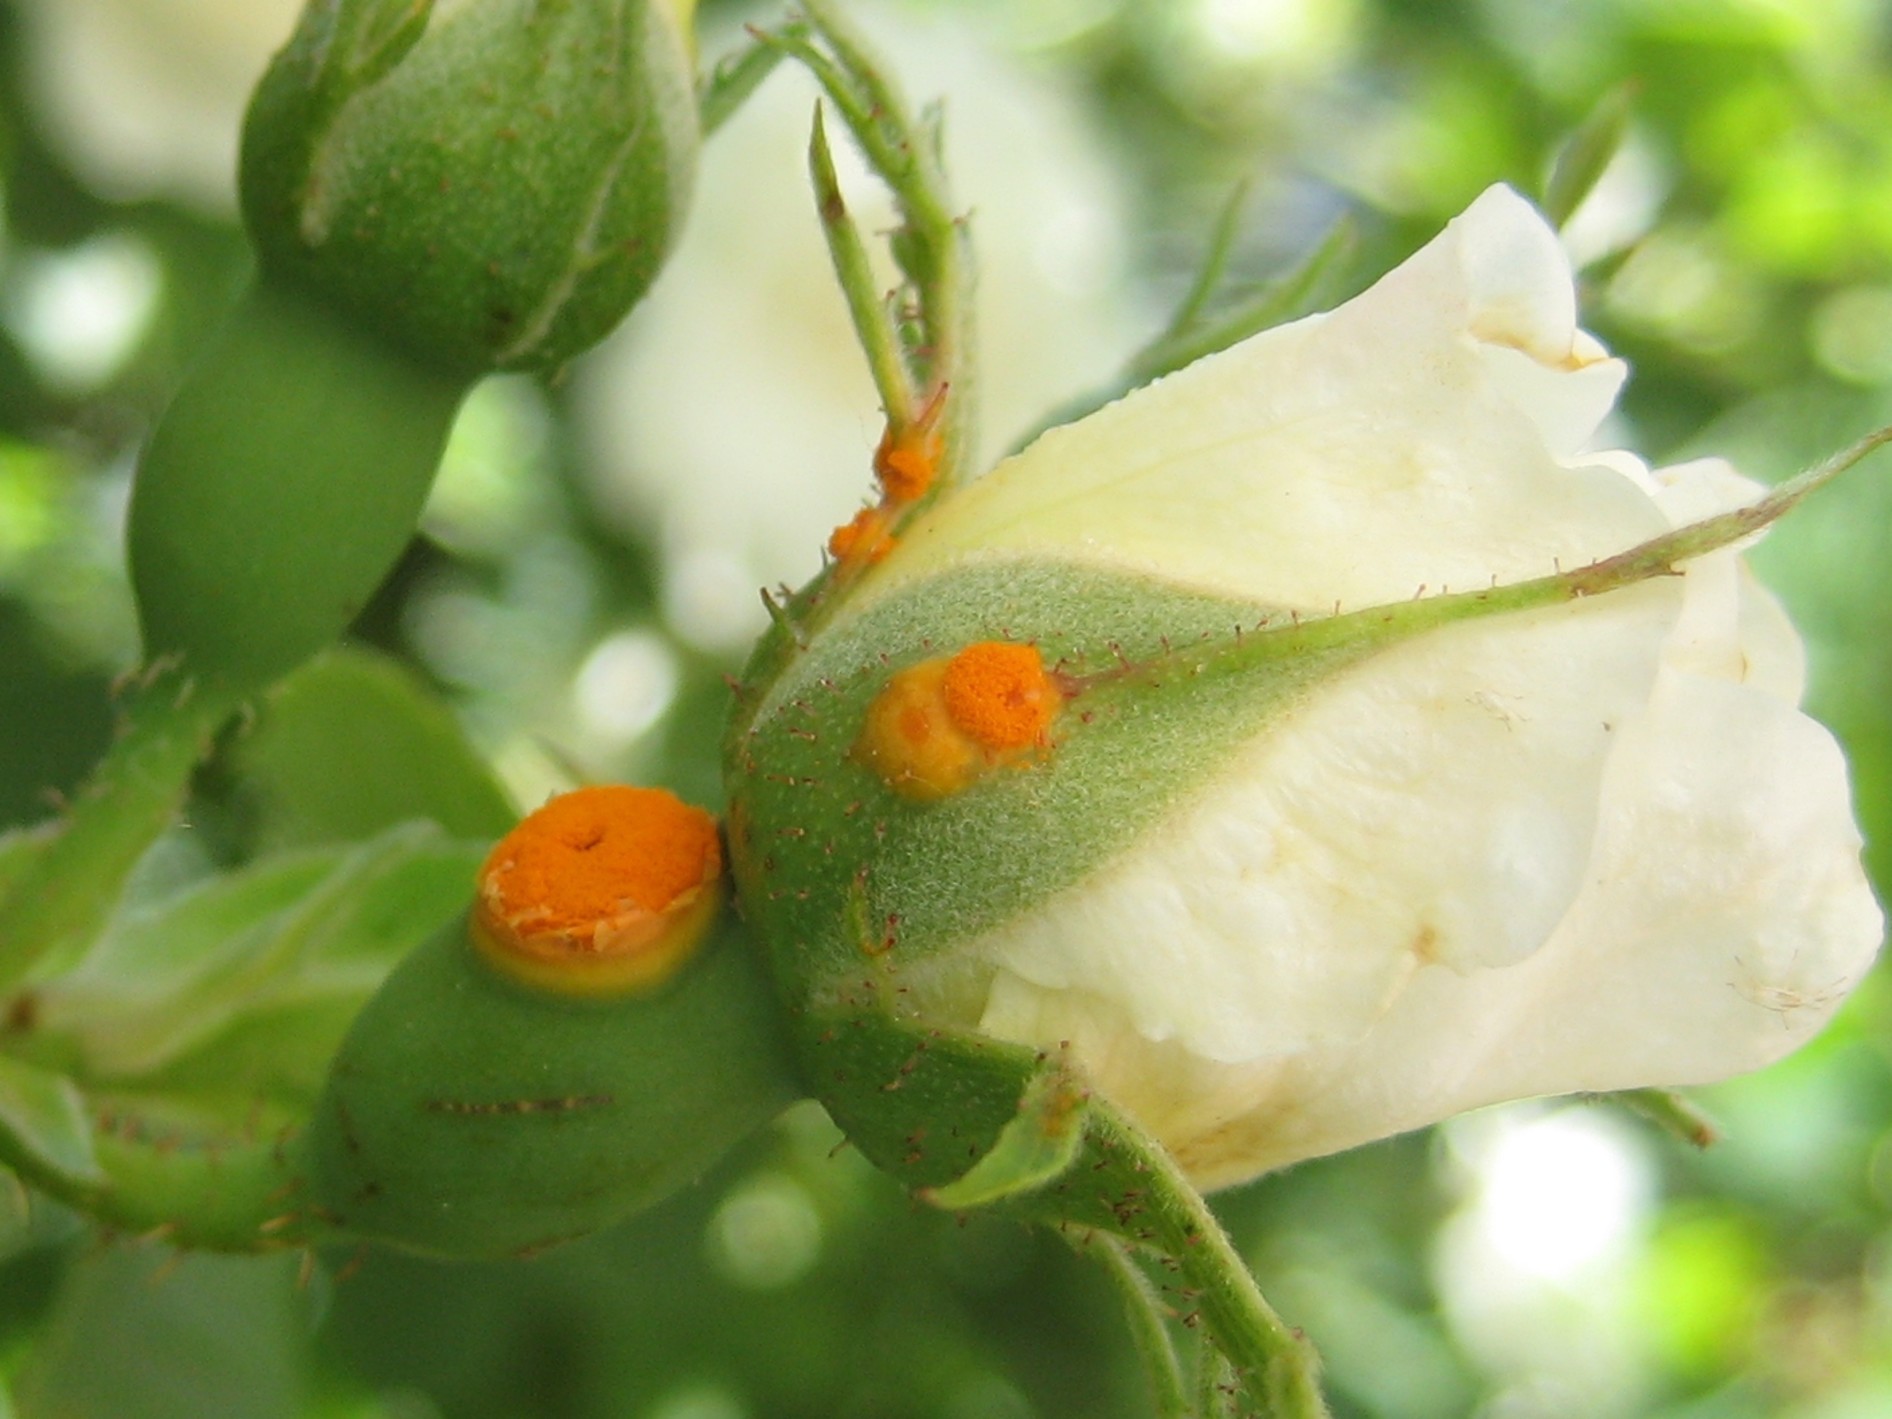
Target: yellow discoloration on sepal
{"type": "Point", "coordinates": [940, 725]}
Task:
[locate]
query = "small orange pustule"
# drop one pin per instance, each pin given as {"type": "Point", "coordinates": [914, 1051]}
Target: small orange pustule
{"type": "Point", "coordinates": [866, 539]}
{"type": "Point", "coordinates": [906, 462]}
{"type": "Point", "coordinates": [606, 890]}
{"type": "Point", "coordinates": [938, 726]}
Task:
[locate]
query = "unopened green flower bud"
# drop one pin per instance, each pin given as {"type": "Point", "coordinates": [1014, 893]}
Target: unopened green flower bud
{"type": "Point", "coordinates": [1307, 747]}
{"type": "Point", "coordinates": [597, 1035]}
{"type": "Point", "coordinates": [488, 183]}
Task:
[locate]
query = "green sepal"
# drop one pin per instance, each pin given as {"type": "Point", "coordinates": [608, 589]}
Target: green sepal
{"type": "Point", "coordinates": [965, 1121]}
{"type": "Point", "coordinates": [278, 489]}
{"type": "Point", "coordinates": [491, 187]}
{"type": "Point", "coordinates": [924, 1104]}
{"type": "Point", "coordinates": [820, 844]}
{"type": "Point", "coordinates": [468, 1115]}
{"type": "Point", "coordinates": [1035, 1148]}
{"type": "Point", "coordinates": [835, 869]}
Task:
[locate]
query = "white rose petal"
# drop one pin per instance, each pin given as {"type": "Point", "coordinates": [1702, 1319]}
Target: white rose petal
{"type": "Point", "coordinates": [1588, 848]}
{"type": "Point", "coordinates": [1352, 458]}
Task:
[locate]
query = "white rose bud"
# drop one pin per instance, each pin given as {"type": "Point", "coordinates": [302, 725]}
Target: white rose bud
{"type": "Point", "coordinates": [1283, 889]}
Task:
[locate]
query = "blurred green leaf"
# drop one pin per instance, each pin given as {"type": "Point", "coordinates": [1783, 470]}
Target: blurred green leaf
{"type": "Point", "coordinates": [1702, 1288]}
{"type": "Point", "coordinates": [17, 849]}
{"type": "Point", "coordinates": [43, 1120]}
{"type": "Point", "coordinates": [302, 937]}
{"type": "Point", "coordinates": [1584, 156]}
{"type": "Point", "coordinates": [136, 1334]}
{"type": "Point", "coordinates": [354, 743]}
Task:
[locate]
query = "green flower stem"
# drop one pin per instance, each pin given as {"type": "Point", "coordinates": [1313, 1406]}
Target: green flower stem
{"type": "Point", "coordinates": [1272, 1361]}
{"type": "Point", "coordinates": [229, 1195]}
{"type": "Point", "coordinates": [279, 487]}
{"type": "Point", "coordinates": [63, 898]}
{"type": "Point", "coordinates": [1673, 1112]}
{"type": "Point", "coordinates": [1148, 1319]}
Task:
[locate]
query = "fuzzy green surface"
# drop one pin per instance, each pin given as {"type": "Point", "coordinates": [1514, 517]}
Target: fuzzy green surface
{"type": "Point", "coordinates": [469, 1116]}
{"type": "Point", "coordinates": [837, 869]}
{"type": "Point", "coordinates": [495, 196]}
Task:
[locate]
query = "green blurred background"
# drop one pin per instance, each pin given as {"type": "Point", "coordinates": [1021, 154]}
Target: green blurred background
{"type": "Point", "coordinates": [587, 576]}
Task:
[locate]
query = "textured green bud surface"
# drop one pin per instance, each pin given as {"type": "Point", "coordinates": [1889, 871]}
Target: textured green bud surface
{"type": "Point", "coordinates": [490, 184]}
{"type": "Point", "coordinates": [838, 871]}
{"type": "Point", "coordinates": [278, 489]}
{"type": "Point", "coordinates": [470, 1116]}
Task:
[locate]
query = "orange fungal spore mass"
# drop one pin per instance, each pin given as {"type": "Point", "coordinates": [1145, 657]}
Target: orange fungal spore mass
{"type": "Point", "coordinates": [910, 740]}
{"type": "Point", "coordinates": [606, 871]}
{"type": "Point", "coordinates": [939, 726]}
{"type": "Point", "coordinates": [906, 463]}
{"type": "Point", "coordinates": [999, 693]}
{"type": "Point", "coordinates": [864, 539]}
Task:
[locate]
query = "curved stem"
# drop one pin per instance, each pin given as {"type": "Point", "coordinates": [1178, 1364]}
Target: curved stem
{"type": "Point", "coordinates": [230, 1195]}
{"type": "Point", "coordinates": [1273, 1361]}
{"type": "Point", "coordinates": [62, 898]}
{"type": "Point", "coordinates": [1147, 1317]}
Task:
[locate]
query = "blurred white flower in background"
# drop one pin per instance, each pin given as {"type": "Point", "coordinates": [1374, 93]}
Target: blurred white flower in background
{"type": "Point", "coordinates": [734, 414]}
{"type": "Point", "coordinates": [145, 97]}
{"type": "Point", "coordinates": [1536, 1268]}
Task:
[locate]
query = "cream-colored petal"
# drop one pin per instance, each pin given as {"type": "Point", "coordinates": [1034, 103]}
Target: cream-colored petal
{"type": "Point", "coordinates": [1418, 436]}
{"type": "Point", "coordinates": [1725, 917]}
{"type": "Point", "coordinates": [1731, 627]}
{"type": "Point", "coordinates": [1434, 805]}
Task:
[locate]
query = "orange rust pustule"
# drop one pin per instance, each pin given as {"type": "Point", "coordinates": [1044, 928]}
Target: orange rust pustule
{"type": "Point", "coordinates": [999, 693]}
{"type": "Point", "coordinates": [911, 742]}
{"type": "Point", "coordinates": [608, 887]}
{"type": "Point", "coordinates": [937, 727]}
{"type": "Point", "coordinates": [907, 461]}
{"type": "Point", "coordinates": [866, 539]}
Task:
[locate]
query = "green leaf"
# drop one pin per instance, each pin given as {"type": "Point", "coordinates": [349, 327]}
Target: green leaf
{"type": "Point", "coordinates": [300, 939]}
{"type": "Point", "coordinates": [1587, 153]}
{"type": "Point", "coordinates": [43, 1123]}
{"type": "Point", "coordinates": [352, 744]}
